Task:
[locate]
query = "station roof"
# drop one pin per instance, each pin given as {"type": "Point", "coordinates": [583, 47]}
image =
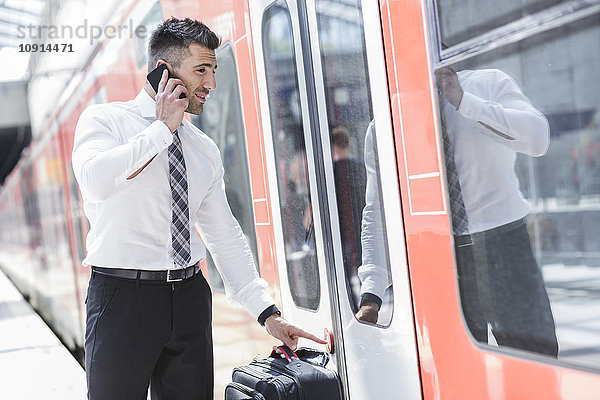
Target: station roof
{"type": "Point", "coordinates": [15, 130]}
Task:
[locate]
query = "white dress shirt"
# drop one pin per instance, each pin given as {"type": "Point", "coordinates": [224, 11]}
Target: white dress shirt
{"type": "Point", "coordinates": [494, 121]}
{"type": "Point", "coordinates": [131, 219]}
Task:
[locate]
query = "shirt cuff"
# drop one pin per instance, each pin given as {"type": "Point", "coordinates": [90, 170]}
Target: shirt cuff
{"type": "Point", "coordinates": [374, 279]}
{"type": "Point", "coordinates": [160, 135]}
{"type": "Point", "coordinates": [470, 106]}
{"type": "Point", "coordinates": [160, 139]}
{"type": "Point", "coordinates": [256, 300]}
{"type": "Point", "coordinates": [267, 313]}
{"type": "Point", "coordinates": [371, 297]}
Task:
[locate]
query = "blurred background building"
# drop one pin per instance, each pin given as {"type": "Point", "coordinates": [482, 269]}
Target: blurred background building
{"type": "Point", "coordinates": [37, 23]}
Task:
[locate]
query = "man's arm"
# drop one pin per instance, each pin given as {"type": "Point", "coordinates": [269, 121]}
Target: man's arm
{"type": "Point", "coordinates": [506, 113]}
{"type": "Point", "coordinates": [225, 240]}
{"type": "Point", "coordinates": [101, 162]}
{"type": "Point", "coordinates": [167, 108]}
{"type": "Point", "coordinates": [136, 173]}
{"type": "Point", "coordinates": [229, 248]}
{"type": "Point", "coordinates": [373, 272]}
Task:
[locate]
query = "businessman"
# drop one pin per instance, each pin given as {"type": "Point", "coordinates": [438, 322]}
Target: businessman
{"type": "Point", "coordinates": [150, 179]}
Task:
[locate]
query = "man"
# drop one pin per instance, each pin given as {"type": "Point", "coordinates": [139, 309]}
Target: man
{"type": "Point", "coordinates": [147, 177]}
{"type": "Point", "coordinates": [486, 121]}
{"type": "Point", "coordinates": [350, 186]}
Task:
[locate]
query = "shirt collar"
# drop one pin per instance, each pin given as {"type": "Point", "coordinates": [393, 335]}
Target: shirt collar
{"type": "Point", "coordinates": [146, 104]}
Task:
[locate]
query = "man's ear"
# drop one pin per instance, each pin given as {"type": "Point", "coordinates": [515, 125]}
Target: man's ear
{"type": "Point", "coordinates": [169, 66]}
{"type": "Point", "coordinates": [159, 62]}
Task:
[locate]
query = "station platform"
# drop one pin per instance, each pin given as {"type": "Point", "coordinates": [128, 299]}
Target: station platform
{"type": "Point", "coordinates": [34, 364]}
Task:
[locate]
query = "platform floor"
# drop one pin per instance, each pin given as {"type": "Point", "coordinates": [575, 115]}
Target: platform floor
{"type": "Point", "coordinates": [33, 362]}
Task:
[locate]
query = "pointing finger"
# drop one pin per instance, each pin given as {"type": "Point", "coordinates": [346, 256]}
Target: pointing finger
{"type": "Point", "coordinates": [300, 333]}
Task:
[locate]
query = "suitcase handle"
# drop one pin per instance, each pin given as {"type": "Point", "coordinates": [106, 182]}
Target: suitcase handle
{"type": "Point", "coordinates": [287, 352]}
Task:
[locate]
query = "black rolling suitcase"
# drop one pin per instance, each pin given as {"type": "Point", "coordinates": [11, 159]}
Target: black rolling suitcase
{"type": "Point", "coordinates": [300, 376]}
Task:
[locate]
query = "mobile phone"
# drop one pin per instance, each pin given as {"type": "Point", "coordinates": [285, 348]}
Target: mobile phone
{"type": "Point", "coordinates": [155, 76]}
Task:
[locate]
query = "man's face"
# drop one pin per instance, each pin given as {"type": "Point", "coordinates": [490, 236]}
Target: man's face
{"type": "Point", "coordinates": [198, 75]}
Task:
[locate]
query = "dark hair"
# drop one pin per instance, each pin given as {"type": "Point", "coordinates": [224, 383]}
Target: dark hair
{"type": "Point", "coordinates": [170, 41]}
{"type": "Point", "coordinates": [339, 137]}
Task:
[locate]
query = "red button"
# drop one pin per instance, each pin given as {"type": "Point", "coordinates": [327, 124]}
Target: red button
{"type": "Point", "coordinates": [328, 336]}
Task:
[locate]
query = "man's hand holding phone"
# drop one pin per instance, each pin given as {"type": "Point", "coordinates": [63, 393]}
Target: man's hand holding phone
{"type": "Point", "coordinates": [449, 86]}
{"type": "Point", "coordinates": [169, 107]}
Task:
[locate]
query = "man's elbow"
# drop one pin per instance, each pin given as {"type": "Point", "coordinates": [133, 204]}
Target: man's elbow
{"type": "Point", "coordinates": [91, 185]}
{"type": "Point", "coordinates": [542, 142]}
{"type": "Point", "coordinates": [539, 150]}
{"type": "Point", "coordinates": [535, 137]}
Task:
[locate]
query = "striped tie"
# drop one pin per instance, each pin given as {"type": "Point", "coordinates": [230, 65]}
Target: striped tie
{"type": "Point", "coordinates": [460, 222]}
{"type": "Point", "coordinates": [180, 213]}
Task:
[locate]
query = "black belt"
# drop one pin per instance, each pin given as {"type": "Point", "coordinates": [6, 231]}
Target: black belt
{"type": "Point", "coordinates": [169, 276]}
{"type": "Point", "coordinates": [469, 239]}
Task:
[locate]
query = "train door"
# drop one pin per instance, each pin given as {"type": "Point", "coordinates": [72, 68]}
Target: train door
{"type": "Point", "coordinates": [328, 135]}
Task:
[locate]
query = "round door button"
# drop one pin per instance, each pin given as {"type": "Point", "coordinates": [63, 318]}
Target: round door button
{"type": "Point", "coordinates": [328, 336]}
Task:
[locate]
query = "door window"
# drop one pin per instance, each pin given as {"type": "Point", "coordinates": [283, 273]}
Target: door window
{"type": "Point", "coordinates": [290, 156]}
{"type": "Point", "coordinates": [222, 121]}
{"type": "Point", "coordinates": [354, 153]}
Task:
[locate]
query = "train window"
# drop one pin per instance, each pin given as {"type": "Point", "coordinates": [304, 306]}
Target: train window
{"type": "Point", "coordinates": [460, 20]}
{"type": "Point", "coordinates": [31, 208]}
{"type": "Point", "coordinates": [140, 42]}
{"type": "Point", "coordinates": [290, 155]}
{"type": "Point", "coordinates": [222, 121]}
{"type": "Point", "coordinates": [354, 154]}
{"type": "Point", "coordinates": [522, 154]}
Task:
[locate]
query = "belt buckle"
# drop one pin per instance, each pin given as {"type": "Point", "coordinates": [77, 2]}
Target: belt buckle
{"type": "Point", "coordinates": [171, 279]}
{"type": "Point", "coordinates": [464, 241]}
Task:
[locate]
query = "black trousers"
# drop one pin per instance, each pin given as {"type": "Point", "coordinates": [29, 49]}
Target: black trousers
{"type": "Point", "coordinates": [501, 284]}
{"type": "Point", "coordinates": [151, 332]}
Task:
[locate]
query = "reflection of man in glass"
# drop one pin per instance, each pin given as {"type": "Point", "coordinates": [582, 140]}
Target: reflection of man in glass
{"type": "Point", "coordinates": [350, 186]}
{"type": "Point", "coordinates": [374, 272]}
{"type": "Point", "coordinates": [486, 121]}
